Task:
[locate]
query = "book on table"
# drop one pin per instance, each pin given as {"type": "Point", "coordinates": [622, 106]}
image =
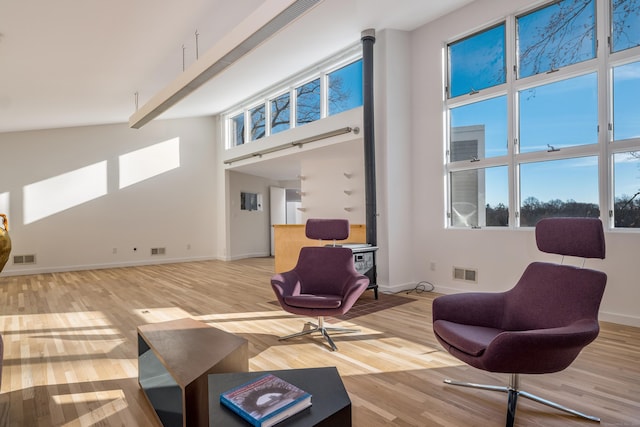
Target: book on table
{"type": "Point", "coordinates": [266, 400]}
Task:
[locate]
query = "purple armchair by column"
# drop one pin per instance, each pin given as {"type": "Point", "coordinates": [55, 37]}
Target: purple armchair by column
{"type": "Point", "coordinates": [541, 324]}
{"type": "Point", "coordinates": [324, 282]}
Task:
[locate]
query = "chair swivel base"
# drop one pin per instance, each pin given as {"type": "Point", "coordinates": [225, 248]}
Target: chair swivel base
{"type": "Point", "coordinates": [324, 331]}
{"type": "Point", "coordinates": [513, 391]}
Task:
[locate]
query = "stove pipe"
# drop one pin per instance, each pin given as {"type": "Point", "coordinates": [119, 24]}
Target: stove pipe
{"type": "Point", "coordinates": [368, 38]}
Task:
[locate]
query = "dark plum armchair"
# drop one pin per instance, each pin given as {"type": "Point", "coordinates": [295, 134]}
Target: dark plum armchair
{"type": "Point", "coordinates": [324, 282]}
{"type": "Point", "coordinates": [540, 325]}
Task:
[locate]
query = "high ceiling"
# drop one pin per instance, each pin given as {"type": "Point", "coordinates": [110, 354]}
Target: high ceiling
{"type": "Point", "coordinates": [71, 63]}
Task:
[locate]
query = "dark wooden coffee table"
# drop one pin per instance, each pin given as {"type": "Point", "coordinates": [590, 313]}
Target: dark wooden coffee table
{"type": "Point", "coordinates": [331, 406]}
{"type": "Point", "coordinates": [174, 360]}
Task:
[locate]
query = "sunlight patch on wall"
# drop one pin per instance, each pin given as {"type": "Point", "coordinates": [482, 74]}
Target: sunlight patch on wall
{"type": "Point", "coordinates": [62, 192]}
{"type": "Point", "coordinates": [4, 203]}
{"type": "Point", "coordinates": [148, 162]}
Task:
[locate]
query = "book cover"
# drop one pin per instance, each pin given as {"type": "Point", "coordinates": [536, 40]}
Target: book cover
{"type": "Point", "coordinates": [266, 400]}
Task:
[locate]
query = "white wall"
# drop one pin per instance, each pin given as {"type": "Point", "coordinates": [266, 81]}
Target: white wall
{"type": "Point", "coordinates": [327, 175]}
{"type": "Point", "coordinates": [250, 234]}
{"type": "Point", "coordinates": [392, 76]}
{"type": "Point", "coordinates": [499, 255]}
{"type": "Point", "coordinates": [174, 209]}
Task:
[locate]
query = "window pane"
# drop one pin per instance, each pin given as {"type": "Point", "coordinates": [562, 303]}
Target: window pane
{"type": "Point", "coordinates": [345, 88]}
{"type": "Point", "coordinates": [626, 92]}
{"type": "Point", "coordinates": [561, 114]}
{"type": "Point", "coordinates": [257, 116]}
{"type": "Point", "coordinates": [237, 129]}
{"type": "Point", "coordinates": [308, 102]}
{"type": "Point", "coordinates": [555, 36]}
{"type": "Point", "coordinates": [477, 62]}
{"type": "Point", "coordinates": [625, 24]}
{"type": "Point", "coordinates": [480, 197]}
{"type": "Point", "coordinates": [281, 113]}
{"type": "Point", "coordinates": [558, 188]}
{"type": "Point", "coordinates": [479, 130]}
{"type": "Point", "coordinates": [626, 211]}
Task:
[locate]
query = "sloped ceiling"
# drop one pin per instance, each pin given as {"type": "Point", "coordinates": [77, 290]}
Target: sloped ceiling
{"type": "Point", "coordinates": [72, 63]}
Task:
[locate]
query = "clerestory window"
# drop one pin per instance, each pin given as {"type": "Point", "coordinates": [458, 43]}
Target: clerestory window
{"type": "Point", "coordinates": [337, 88]}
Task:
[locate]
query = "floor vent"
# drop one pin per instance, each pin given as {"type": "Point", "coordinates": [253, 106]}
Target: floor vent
{"type": "Point", "coordinates": [158, 251]}
{"type": "Point", "coordinates": [466, 274]}
{"type": "Point", "coordinates": [24, 259]}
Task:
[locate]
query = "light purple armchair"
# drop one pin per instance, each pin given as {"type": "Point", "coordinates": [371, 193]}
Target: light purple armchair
{"type": "Point", "coordinates": [540, 325]}
{"type": "Point", "coordinates": [324, 282]}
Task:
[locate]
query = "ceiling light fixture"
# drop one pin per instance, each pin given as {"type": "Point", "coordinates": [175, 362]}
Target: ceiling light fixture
{"type": "Point", "coordinates": [263, 23]}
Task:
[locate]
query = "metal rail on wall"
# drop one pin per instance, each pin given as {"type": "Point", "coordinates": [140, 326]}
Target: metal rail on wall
{"type": "Point", "coordinates": [298, 143]}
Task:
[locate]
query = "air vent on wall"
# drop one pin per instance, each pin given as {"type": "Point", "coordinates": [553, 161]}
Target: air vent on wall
{"type": "Point", "coordinates": [158, 251]}
{"type": "Point", "coordinates": [24, 259]}
{"type": "Point", "coordinates": [466, 274]}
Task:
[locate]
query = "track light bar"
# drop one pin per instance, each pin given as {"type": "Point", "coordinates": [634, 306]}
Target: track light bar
{"type": "Point", "coordinates": [264, 22]}
{"type": "Point", "coordinates": [299, 143]}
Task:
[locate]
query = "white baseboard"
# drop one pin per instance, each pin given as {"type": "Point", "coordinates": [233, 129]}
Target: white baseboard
{"type": "Point", "coordinates": [620, 319]}
{"type": "Point", "coordinates": [394, 289]}
{"type": "Point", "coordinates": [249, 255]}
{"type": "Point", "coordinates": [61, 269]}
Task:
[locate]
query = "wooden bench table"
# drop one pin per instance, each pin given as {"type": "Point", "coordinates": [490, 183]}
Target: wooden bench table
{"type": "Point", "coordinates": [174, 361]}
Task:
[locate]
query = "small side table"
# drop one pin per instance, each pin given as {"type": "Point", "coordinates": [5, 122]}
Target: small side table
{"type": "Point", "coordinates": [330, 403]}
{"type": "Point", "coordinates": [174, 361]}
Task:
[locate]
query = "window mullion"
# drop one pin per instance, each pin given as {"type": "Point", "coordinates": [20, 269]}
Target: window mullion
{"type": "Point", "coordinates": [512, 117]}
{"type": "Point", "coordinates": [293, 100]}
{"type": "Point", "coordinates": [605, 111]}
{"type": "Point", "coordinates": [324, 95]}
{"type": "Point", "coordinates": [267, 117]}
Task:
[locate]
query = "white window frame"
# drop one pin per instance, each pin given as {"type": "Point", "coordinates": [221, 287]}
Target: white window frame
{"type": "Point", "coordinates": [604, 149]}
{"type": "Point", "coordinates": [320, 70]}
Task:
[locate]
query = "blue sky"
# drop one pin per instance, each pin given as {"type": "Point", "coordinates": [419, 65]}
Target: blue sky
{"type": "Point", "coordinates": [560, 114]}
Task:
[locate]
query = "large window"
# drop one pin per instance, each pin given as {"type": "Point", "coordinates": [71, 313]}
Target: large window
{"type": "Point", "coordinates": [336, 89]}
{"type": "Point", "coordinates": [559, 133]}
{"type": "Point", "coordinates": [625, 24]}
{"type": "Point", "coordinates": [477, 62]}
{"type": "Point", "coordinates": [479, 129]}
{"type": "Point", "coordinates": [559, 115]}
{"type": "Point", "coordinates": [566, 187]}
{"type": "Point", "coordinates": [555, 36]}
{"type": "Point", "coordinates": [626, 93]}
{"type": "Point", "coordinates": [627, 191]}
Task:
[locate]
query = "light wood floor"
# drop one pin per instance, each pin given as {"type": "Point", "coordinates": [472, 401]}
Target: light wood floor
{"type": "Point", "coordinates": [70, 352]}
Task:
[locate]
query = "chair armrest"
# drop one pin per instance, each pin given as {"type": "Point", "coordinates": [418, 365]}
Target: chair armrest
{"type": "Point", "coordinates": [355, 285]}
{"type": "Point", "coordinates": [575, 335]}
{"type": "Point", "coordinates": [470, 308]}
{"type": "Point", "coordinates": [352, 289]}
{"type": "Point", "coordinates": [539, 351]}
{"type": "Point", "coordinates": [286, 284]}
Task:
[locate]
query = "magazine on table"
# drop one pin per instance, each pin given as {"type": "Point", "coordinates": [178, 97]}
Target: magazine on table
{"type": "Point", "coordinates": [266, 400]}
